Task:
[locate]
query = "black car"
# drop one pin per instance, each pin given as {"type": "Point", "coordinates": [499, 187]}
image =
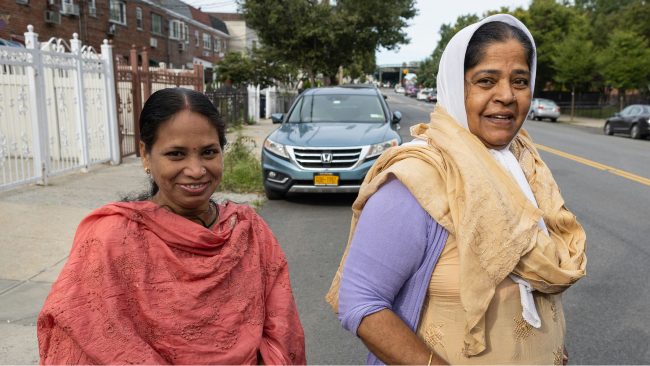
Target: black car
{"type": "Point", "coordinates": [414, 93]}
{"type": "Point", "coordinates": [433, 97]}
{"type": "Point", "coordinates": [634, 119]}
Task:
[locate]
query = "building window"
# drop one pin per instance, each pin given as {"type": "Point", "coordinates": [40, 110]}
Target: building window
{"type": "Point", "coordinates": [177, 30]}
{"type": "Point", "coordinates": [217, 44]}
{"type": "Point", "coordinates": [196, 34]}
{"type": "Point", "coordinates": [138, 17]}
{"type": "Point", "coordinates": [186, 33]}
{"type": "Point", "coordinates": [206, 41]}
{"type": "Point", "coordinates": [117, 12]}
{"type": "Point", "coordinates": [156, 23]}
{"type": "Point", "coordinates": [92, 8]}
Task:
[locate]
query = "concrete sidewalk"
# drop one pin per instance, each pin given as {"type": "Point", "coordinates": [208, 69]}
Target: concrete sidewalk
{"type": "Point", "coordinates": [582, 121]}
{"type": "Point", "coordinates": [38, 225]}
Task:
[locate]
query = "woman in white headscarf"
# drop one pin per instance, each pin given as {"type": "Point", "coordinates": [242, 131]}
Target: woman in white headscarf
{"type": "Point", "coordinates": [461, 245]}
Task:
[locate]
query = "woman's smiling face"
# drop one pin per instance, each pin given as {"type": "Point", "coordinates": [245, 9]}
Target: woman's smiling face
{"type": "Point", "coordinates": [185, 161]}
{"type": "Point", "coordinates": [498, 94]}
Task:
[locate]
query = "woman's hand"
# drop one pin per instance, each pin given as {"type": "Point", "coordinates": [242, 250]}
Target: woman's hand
{"type": "Point", "coordinates": [392, 341]}
{"type": "Point", "coordinates": [565, 357]}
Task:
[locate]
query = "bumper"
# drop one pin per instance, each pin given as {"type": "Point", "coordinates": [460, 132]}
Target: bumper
{"type": "Point", "coordinates": [547, 114]}
{"type": "Point", "coordinates": [291, 179]}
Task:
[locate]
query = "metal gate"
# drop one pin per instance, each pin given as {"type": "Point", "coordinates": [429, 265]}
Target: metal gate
{"type": "Point", "coordinates": [134, 85]}
{"type": "Point", "coordinates": [57, 111]}
{"type": "Point", "coordinates": [231, 102]}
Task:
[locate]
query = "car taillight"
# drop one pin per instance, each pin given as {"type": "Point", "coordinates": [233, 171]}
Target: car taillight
{"type": "Point", "coordinates": [540, 107]}
{"type": "Point", "coordinates": [558, 109]}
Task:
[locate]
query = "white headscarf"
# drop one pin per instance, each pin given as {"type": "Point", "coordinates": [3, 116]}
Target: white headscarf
{"type": "Point", "coordinates": [451, 96]}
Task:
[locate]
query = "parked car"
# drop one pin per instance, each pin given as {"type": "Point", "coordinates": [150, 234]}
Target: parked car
{"type": "Point", "coordinates": [634, 119]}
{"type": "Point", "coordinates": [5, 42]}
{"type": "Point", "coordinates": [328, 141]}
{"type": "Point", "coordinates": [400, 90]}
{"type": "Point", "coordinates": [544, 108]}
{"type": "Point", "coordinates": [413, 92]}
{"type": "Point", "coordinates": [433, 97]}
{"type": "Point", "coordinates": [423, 94]}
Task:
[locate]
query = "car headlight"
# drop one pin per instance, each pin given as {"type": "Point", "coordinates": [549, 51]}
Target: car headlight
{"type": "Point", "coordinates": [378, 149]}
{"type": "Point", "coordinates": [275, 148]}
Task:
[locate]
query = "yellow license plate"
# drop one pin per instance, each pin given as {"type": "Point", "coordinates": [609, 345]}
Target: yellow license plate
{"type": "Point", "coordinates": [326, 179]}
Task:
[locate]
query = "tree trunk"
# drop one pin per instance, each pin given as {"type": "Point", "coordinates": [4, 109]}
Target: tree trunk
{"type": "Point", "coordinates": [312, 77]}
{"type": "Point", "coordinates": [573, 99]}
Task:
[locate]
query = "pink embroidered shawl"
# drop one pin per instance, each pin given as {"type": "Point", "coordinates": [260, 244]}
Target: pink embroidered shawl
{"type": "Point", "coordinates": [145, 286]}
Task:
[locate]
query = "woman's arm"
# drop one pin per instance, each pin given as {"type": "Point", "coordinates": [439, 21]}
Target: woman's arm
{"type": "Point", "coordinates": [390, 248]}
{"type": "Point", "coordinates": [392, 341]}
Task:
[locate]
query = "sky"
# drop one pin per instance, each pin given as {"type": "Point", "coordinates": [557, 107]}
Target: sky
{"type": "Point", "coordinates": [422, 30]}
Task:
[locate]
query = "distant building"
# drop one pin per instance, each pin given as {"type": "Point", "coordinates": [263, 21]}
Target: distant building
{"type": "Point", "coordinates": [170, 30]}
{"type": "Point", "coordinates": [242, 36]}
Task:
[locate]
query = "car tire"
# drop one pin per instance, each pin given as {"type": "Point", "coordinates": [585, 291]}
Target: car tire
{"type": "Point", "coordinates": [273, 195]}
{"type": "Point", "coordinates": [553, 119]}
{"type": "Point", "coordinates": [635, 133]}
{"type": "Point", "coordinates": [608, 129]}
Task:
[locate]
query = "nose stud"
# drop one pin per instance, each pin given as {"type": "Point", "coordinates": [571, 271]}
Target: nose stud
{"type": "Point", "coordinates": [204, 170]}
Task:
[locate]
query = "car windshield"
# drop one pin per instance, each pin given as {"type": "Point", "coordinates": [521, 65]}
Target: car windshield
{"type": "Point", "coordinates": [338, 108]}
{"type": "Point", "coordinates": [547, 103]}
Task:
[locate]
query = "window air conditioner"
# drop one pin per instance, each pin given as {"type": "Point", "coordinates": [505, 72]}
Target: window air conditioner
{"type": "Point", "coordinates": [52, 17]}
{"type": "Point", "coordinates": [153, 42]}
{"type": "Point", "coordinates": [69, 9]}
{"type": "Point", "coordinates": [112, 29]}
{"type": "Point", "coordinates": [182, 46]}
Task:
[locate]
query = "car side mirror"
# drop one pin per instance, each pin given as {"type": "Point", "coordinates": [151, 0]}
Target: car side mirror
{"type": "Point", "coordinates": [277, 117]}
{"type": "Point", "coordinates": [397, 116]}
{"type": "Point", "coordinates": [617, 114]}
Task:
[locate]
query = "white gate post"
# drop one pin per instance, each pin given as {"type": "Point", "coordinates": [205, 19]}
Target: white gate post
{"type": "Point", "coordinates": [111, 103]}
{"type": "Point", "coordinates": [258, 103]}
{"type": "Point", "coordinates": [37, 107]}
{"type": "Point", "coordinates": [80, 93]}
{"type": "Point", "coordinates": [267, 110]}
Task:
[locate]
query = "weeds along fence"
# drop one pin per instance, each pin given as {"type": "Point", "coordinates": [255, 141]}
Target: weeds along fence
{"type": "Point", "coordinates": [57, 109]}
{"type": "Point", "coordinates": [135, 83]}
{"type": "Point", "coordinates": [231, 102]}
{"type": "Point", "coordinates": [594, 105]}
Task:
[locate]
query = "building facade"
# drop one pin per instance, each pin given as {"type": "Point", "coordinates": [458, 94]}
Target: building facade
{"type": "Point", "coordinates": [171, 31]}
{"type": "Point", "coordinates": [242, 36]}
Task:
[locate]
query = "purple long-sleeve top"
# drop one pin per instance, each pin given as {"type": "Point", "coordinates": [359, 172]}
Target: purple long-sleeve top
{"type": "Point", "coordinates": [395, 247]}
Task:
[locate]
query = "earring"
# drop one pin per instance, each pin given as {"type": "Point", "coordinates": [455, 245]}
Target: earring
{"type": "Point", "coordinates": [514, 98]}
{"type": "Point", "coordinates": [147, 170]}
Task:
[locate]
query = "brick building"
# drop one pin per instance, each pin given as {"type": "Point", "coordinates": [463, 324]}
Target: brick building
{"type": "Point", "coordinates": [172, 31]}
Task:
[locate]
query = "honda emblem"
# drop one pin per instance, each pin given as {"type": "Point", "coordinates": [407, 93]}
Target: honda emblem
{"type": "Point", "coordinates": [326, 158]}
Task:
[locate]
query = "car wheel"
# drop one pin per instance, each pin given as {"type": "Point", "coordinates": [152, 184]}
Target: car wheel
{"type": "Point", "coordinates": [608, 129]}
{"type": "Point", "coordinates": [635, 133]}
{"type": "Point", "coordinates": [553, 119]}
{"type": "Point", "coordinates": [273, 195]}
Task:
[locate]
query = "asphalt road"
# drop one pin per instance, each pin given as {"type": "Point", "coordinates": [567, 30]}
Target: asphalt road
{"type": "Point", "coordinates": [608, 321]}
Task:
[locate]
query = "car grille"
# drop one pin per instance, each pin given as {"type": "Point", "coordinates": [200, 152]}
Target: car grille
{"type": "Point", "coordinates": [313, 158]}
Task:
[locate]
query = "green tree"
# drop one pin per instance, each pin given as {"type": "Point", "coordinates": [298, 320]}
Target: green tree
{"type": "Point", "coordinates": [625, 63]}
{"type": "Point", "coordinates": [256, 68]}
{"type": "Point", "coordinates": [320, 37]}
{"type": "Point", "coordinates": [574, 62]}
{"type": "Point", "coordinates": [549, 22]}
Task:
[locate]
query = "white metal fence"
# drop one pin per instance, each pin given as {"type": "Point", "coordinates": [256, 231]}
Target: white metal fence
{"type": "Point", "coordinates": [57, 109]}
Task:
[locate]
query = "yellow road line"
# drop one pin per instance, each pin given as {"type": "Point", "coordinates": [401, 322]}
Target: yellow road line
{"type": "Point", "coordinates": [393, 99]}
{"type": "Point", "coordinates": [596, 165]}
{"type": "Point", "coordinates": [422, 109]}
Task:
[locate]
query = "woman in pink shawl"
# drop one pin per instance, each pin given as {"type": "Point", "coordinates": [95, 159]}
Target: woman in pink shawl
{"type": "Point", "coordinates": [171, 277]}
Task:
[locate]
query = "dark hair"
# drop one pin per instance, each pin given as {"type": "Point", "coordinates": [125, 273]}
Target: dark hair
{"type": "Point", "coordinates": [493, 32]}
{"type": "Point", "coordinates": [160, 108]}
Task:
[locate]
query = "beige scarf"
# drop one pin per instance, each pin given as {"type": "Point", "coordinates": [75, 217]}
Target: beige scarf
{"type": "Point", "coordinates": [468, 192]}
